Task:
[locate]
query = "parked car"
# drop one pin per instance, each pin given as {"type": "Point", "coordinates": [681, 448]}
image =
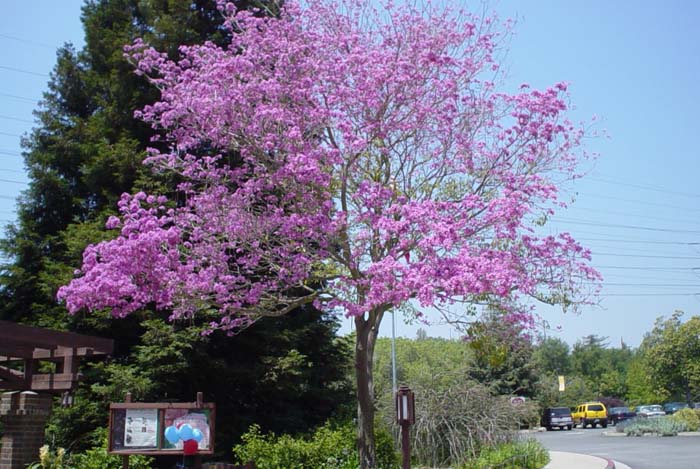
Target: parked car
{"type": "Point", "coordinates": [590, 413]}
{"type": "Point", "coordinates": [673, 407]}
{"type": "Point", "coordinates": [650, 411]}
{"type": "Point", "coordinates": [559, 417]}
{"type": "Point", "coordinates": [618, 414]}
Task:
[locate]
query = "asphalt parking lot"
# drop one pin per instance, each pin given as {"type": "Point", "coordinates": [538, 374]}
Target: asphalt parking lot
{"type": "Point", "coordinates": [648, 452]}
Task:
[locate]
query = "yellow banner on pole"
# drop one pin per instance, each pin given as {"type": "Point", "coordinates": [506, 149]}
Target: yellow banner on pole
{"type": "Point", "coordinates": [562, 385]}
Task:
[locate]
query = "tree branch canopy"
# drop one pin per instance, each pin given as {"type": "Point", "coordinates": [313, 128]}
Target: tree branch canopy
{"type": "Point", "coordinates": [376, 163]}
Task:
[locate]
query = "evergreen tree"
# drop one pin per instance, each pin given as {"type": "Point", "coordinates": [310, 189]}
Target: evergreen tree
{"type": "Point", "coordinates": [84, 153]}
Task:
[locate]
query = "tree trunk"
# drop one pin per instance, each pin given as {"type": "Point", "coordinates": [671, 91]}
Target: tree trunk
{"type": "Point", "coordinates": [366, 330]}
{"type": "Point", "coordinates": [688, 396]}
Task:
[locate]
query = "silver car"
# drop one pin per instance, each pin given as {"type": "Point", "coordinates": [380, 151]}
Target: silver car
{"type": "Point", "coordinates": [650, 411]}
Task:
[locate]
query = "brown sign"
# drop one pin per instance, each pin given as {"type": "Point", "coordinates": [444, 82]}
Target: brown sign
{"type": "Point", "coordinates": [140, 427]}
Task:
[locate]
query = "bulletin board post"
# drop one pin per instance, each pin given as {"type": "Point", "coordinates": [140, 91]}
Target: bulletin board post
{"type": "Point", "coordinates": [162, 428]}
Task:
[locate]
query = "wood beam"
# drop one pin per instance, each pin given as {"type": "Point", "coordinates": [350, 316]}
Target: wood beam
{"type": "Point", "coordinates": [45, 338]}
{"type": "Point", "coordinates": [54, 382]}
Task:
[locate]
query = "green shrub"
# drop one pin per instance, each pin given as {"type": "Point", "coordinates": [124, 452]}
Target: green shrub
{"type": "Point", "coordinates": [522, 454]}
{"type": "Point", "coordinates": [664, 426]}
{"type": "Point", "coordinates": [689, 417]}
{"type": "Point", "coordinates": [98, 458]}
{"type": "Point", "coordinates": [330, 447]}
{"type": "Point", "coordinates": [94, 458]}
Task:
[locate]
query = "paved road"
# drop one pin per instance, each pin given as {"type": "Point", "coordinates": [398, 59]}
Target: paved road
{"type": "Point", "coordinates": [680, 452]}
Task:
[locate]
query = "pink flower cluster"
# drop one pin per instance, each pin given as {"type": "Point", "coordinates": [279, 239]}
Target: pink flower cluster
{"type": "Point", "coordinates": [354, 156]}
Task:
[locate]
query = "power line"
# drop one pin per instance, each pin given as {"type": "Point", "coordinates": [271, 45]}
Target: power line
{"type": "Point", "coordinates": [661, 269]}
{"type": "Point", "coordinates": [7, 197]}
{"type": "Point", "coordinates": [21, 70]}
{"type": "Point", "coordinates": [637, 201]}
{"type": "Point", "coordinates": [572, 221]}
{"type": "Point", "coordinates": [27, 41]}
{"type": "Point", "coordinates": [10, 135]}
{"type": "Point", "coordinates": [643, 255]}
{"type": "Point", "coordinates": [646, 187]}
{"type": "Point", "coordinates": [631, 249]}
{"type": "Point", "coordinates": [11, 171]}
{"type": "Point", "coordinates": [10, 153]}
{"type": "Point", "coordinates": [13, 181]}
{"type": "Point", "coordinates": [21, 98]}
{"type": "Point", "coordinates": [650, 294]}
{"type": "Point", "coordinates": [628, 276]}
{"type": "Point", "coordinates": [627, 214]}
{"type": "Point", "coordinates": [673, 285]}
{"type": "Point", "coordinates": [16, 119]}
{"type": "Point", "coordinates": [639, 241]}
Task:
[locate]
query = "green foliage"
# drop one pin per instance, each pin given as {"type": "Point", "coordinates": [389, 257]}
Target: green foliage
{"type": "Point", "coordinates": [641, 387]}
{"type": "Point", "coordinates": [84, 153]}
{"type": "Point", "coordinates": [671, 355]}
{"type": "Point", "coordinates": [688, 417]}
{"type": "Point", "coordinates": [99, 458]}
{"type": "Point", "coordinates": [521, 454]}
{"type": "Point", "coordinates": [663, 426]}
{"type": "Point", "coordinates": [453, 424]}
{"type": "Point", "coordinates": [502, 355]}
{"type": "Point", "coordinates": [577, 390]}
{"type": "Point", "coordinates": [551, 356]}
{"type": "Point", "coordinates": [429, 361]}
{"type": "Point", "coordinates": [95, 458]}
{"type": "Point", "coordinates": [594, 370]}
{"type": "Point", "coordinates": [330, 447]}
{"type": "Point", "coordinates": [288, 374]}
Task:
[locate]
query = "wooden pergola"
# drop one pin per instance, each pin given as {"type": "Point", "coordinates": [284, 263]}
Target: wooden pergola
{"type": "Point", "coordinates": [23, 349]}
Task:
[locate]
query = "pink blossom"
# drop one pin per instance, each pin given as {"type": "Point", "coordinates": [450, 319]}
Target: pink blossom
{"type": "Point", "coordinates": [375, 164]}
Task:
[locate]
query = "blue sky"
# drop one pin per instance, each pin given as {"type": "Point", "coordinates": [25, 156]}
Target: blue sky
{"type": "Point", "coordinates": [633, 64]}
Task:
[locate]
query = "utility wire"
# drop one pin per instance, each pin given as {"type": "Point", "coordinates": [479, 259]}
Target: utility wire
{"type": "Point", "coordinates": [686, 250]}
{"type": "Point", "coordinates": [639, 241]}
{"type": "Point", "coordinates": [626, 214]}
{"type": "Point", "coordinates": [10, 153]}
{"type": "Point", "coordinates": [650, 294]}
{"type": "Point", "coordinates": [21, 98]}
{"type": "Point", "coordinates": [27, 41]}
{"type": "Point", "coordinates": [21, 70]}
{"type": "Point", "coordinates": [10, 135]}
{"type": "Point", "coordinates": [16, 119]}
{"type": "Point", "coordinates": [572, 221]}
{"type": "Point", "coordinates": [647, 187]}
{"type": "Point", "coordinates": [662, 269]}
{"type": "Point", "coordinates": [24, 183]}
{"type": "Point", "coordinates": [637, 201]}
{"type": "Point", "coordinates": [613, 254]}
{"type": "Point", "coordinates": [673, 285]}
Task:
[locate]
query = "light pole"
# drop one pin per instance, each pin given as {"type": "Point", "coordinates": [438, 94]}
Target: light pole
{"type": "Point", "coordinates": [393, 352]}
{"type": "Point", "coordinates": [405, 416]}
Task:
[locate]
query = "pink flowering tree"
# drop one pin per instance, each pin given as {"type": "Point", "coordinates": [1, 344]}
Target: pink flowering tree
{"type": "Point", "coordinates": [356, 158]}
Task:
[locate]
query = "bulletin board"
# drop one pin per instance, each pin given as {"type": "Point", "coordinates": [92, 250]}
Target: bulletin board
{"type": "Point", "coordinates": [139, 427]}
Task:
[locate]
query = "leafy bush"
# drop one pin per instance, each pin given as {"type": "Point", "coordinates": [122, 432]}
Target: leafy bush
{"type": "Point", "coordinates": [453, 424]}
{"type": "Point", "coordinates": [664, 426]}
{"type": "Point", "coordinates": [523, 454]}
{"type": "Point", "coordinates": [98, 458]}
{"type": "Point", "coordinates": [330, 447]}
{"type": "Point", "coordinates": [95, 458]}
{"type": "Point", "coordinates": [689, 417]}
